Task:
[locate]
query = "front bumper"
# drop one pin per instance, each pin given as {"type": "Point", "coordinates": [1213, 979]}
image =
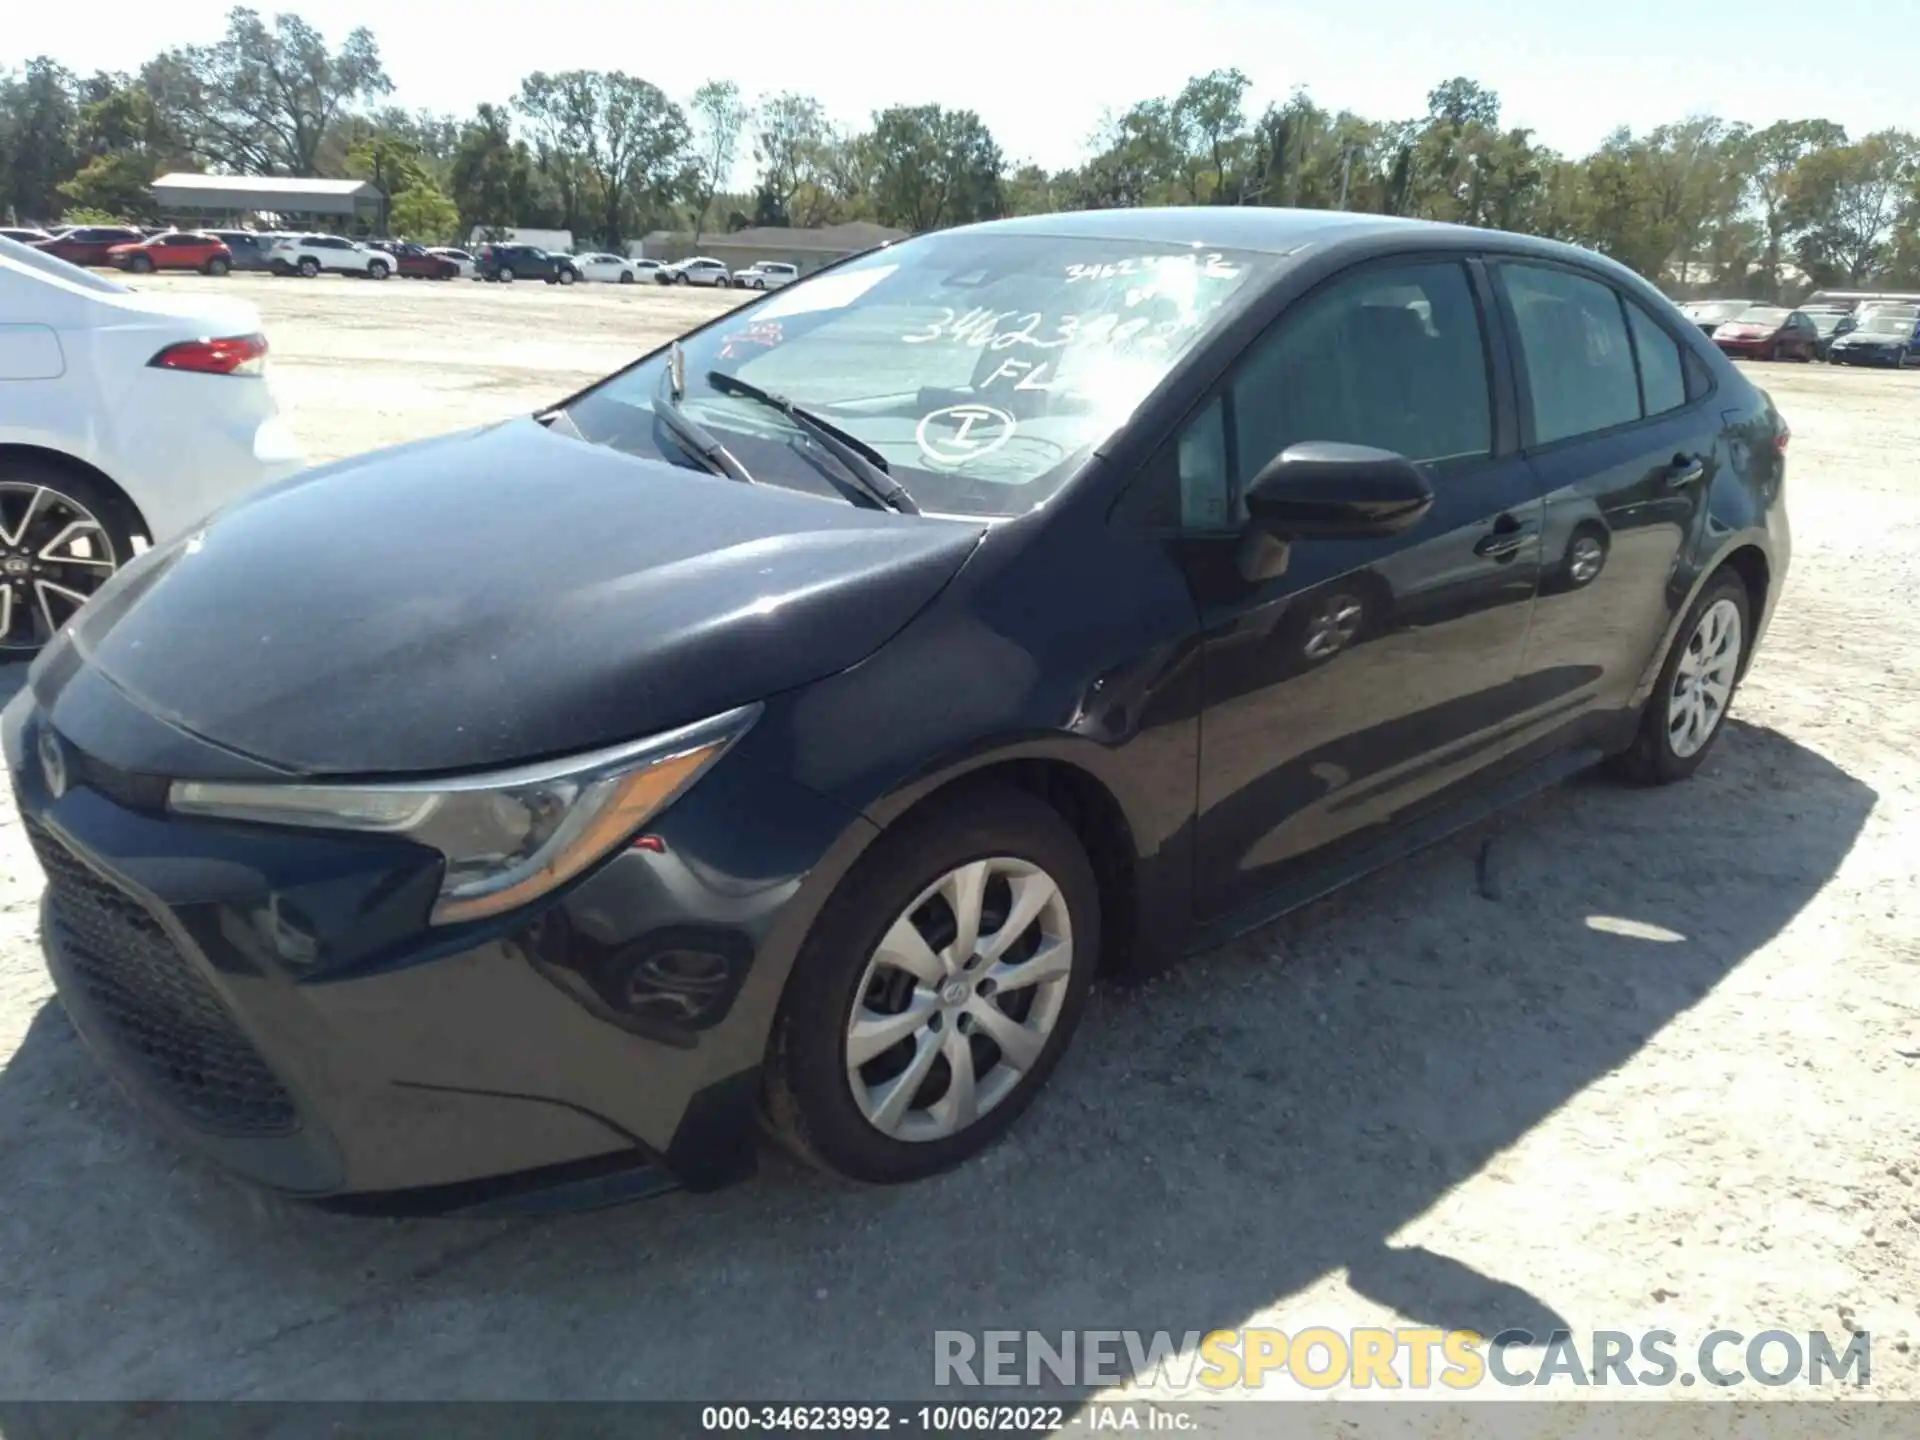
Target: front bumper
{"type": "Point", "coordinates": [1866, 355]}
{"type": "Point", "coordinates": [275, 1000]}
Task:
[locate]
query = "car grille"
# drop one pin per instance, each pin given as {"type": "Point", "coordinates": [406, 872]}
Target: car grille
{"type": "Point", "coordinates": [162, 1015]}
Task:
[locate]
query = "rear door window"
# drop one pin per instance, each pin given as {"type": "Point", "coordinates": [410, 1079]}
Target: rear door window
{"type": "Point", "coordinates": [1574, 347]}
{"type": "Point", "coordinates": [1663, 378]}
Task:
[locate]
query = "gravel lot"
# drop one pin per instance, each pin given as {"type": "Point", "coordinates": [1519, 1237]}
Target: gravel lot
{"type": "Point", "coordinates": [1651, 1060]}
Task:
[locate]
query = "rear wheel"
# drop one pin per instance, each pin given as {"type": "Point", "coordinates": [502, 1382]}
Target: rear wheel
{"type": "Point", "coordinates": [937, 991]}
{"type": "Point", "coordinates": [62, 534]}
{"type": "Point", "coordinates": [506, 274]}
{"type": "Point", "coordinates": [309, 267]}
{"type": "Point", "coordinates": [1689, 705]}
{"type": "Point", "coordinates": [722, 281]}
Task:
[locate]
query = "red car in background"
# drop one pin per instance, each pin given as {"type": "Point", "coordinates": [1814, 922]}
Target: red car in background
{"type": "Point", "coordinates": [416, 262]}
{"type": "Point", "coordinates": [90, 244]}
{"type": "Point", "coordinates": [1769, 332]}
{"type": "Point", "coordinates": [174, 250]}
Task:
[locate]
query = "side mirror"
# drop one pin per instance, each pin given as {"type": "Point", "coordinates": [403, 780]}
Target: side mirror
{"type": "Point", "coordinates": [1322, 489]}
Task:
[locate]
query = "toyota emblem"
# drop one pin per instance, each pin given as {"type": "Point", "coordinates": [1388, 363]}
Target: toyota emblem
{"type": "Point", "coordinates": [53, 763]}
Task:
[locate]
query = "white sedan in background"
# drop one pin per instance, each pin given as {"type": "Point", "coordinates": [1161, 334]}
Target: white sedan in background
{"type": "Point", "coordinates": [766, 275]}
{"type": "Point", "coordinates": [609, 269]}
{"type": "Point", "coordinates": [469, 268]}
{"type": "Point", "coordinates": [126, 416]}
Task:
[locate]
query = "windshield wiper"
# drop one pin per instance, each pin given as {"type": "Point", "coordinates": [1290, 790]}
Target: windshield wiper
{"type": "Point", "coordinates": [866, 465]}
{"type": "Point", "coordinates": [694, 437]}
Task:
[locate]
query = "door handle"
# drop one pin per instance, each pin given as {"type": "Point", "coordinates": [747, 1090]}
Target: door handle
{"type": "Point", "coordinates": [1685, 469]}
{"type": "Point", "coordinates": [1505, 540]}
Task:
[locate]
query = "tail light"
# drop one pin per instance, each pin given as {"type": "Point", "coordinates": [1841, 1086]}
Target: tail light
{"type": "Point", "coordinates": [232, 355]}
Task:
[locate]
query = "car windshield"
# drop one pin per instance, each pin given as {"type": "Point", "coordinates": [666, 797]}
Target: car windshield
{"type": "Point", "coordinates": [1716, 309]}
{"type": "Point", "coordinates": [984, 368]}
{"type": "Point", "coordinates": [1763, 315]}
{"type": "Point", "coordinates": [1887, 322]}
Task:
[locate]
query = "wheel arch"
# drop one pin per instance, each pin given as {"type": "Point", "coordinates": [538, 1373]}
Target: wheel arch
{"type": "Point", "coordinates": [1747, 557]}
{"type": "Point", "coordinates": [11, 451]}
{"type": "Point", "coordinates": [1091, 808]}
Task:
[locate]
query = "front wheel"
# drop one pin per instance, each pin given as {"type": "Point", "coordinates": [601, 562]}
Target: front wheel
{"type": "Point", "coordinates": [937, 991]}
{"type": "Point", "coordinates": [62, 535]}
{"type": "Point", "coordinates": [216, 266]}
{"type": "Point", "coordinates": [1688, 708]}
{"type": "Point", "coordinates": [566, 277]}
{"type": "Point", "coordinates": [378, 270]}
{"type": "Point", "coordinates": [626, 277]}
{"type": "Point", "coordinates": [141, 264]}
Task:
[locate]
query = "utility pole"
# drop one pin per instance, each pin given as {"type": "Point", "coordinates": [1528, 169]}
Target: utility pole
{"type": "Point", "coordinates": [1346, 173]}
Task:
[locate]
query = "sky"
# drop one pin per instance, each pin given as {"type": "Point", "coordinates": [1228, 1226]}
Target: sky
{"type": "Point", "coordinates": [1042, 72]}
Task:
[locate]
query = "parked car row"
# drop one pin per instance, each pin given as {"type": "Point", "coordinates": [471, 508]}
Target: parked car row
{"type": "Point", "coordinates": [215, 252]}
{"type": "Point", "coordinates": [1884, 334]}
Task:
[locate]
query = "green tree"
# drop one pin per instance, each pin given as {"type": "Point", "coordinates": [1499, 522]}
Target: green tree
{"type": "Point", "coordinates": [424, 213]}
{"type": "Point", "coordinates": [1772, 164]}
{"type": "Point", "coordinates": [608, 137]}
{"type": "Point", "coordinates": [1209, 125]}
{"type": "Point", "coordinates": [934, 167]}
{"type": "Point", "coordinates": [38, 116]}
{"type": "Point", "coordinates": [1854, 196]}
{"type": "Point", "coordinates": [791, 140]}
{"type": "Point", "coordinates": [719, 116]}
{"type": "Point", "coordinates": [491, 174]}
{"type": "Point", "coordinates": [263, 99]}
{"type": "Point", "coordinates": [127, 143]}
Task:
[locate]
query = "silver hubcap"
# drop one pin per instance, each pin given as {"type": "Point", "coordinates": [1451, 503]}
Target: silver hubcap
{"type": "Point", "coordinates": [1584, 563]}
{"type": "Point", "coordinates": [1333, 626]}
{"type": "Point", "coordinates": [53, 555]}
{"type": "Point", "coordinates": [1704, 681]}
{"type": "Point", "coordinates": [959, 999]}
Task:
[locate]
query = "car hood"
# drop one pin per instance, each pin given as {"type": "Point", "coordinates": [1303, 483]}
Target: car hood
{"type": "Point", "coordinates": [491, 597]}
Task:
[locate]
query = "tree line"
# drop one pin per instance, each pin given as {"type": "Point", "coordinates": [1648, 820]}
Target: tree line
{"type": "Point", "coordinates": [1699, 204]}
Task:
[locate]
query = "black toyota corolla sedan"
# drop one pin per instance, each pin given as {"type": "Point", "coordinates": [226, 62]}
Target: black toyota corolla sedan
{"type": "Point", "coordinates": [788, 728]}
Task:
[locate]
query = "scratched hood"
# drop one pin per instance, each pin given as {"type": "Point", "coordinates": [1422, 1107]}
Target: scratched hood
{"type": "Point", "coordinates": [496, 596]}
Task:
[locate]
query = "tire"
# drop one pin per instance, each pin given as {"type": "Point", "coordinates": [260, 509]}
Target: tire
{"type": "Point", "coordinates": [1652, 759]}
{"type": "Point", "coordinates": [626, 277]}
{"type": "Point", "coordinates": [566, 276]}
{"type": "Point", "coordinates": [59, 517]}
{"type": "Point", "coordinates": [810, 1100]}
{"type": "Point", "coordinates": [378, 270]}
{"type": "Point", "coordinates": [140, 264]}
{"type": "Point", "coordinates": [309, 267]}
{"type": "Point", "coordinates": [216, 266]}
{"type": "Point", "coordinates": [723, 282]}
{"type": "Point", "coordinates": [1588, 548]}
{"type": "Point", "coordinates": [679, 279]}
{"type": "Point", "coordinates": [506, 275]}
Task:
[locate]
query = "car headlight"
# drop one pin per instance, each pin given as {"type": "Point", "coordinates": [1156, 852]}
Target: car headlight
{"type": "Point", "coordinates": [509, 836]}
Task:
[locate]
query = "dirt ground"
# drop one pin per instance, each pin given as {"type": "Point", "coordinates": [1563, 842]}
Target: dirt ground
{"type": "Point", "coordinates": [1655, 1064]}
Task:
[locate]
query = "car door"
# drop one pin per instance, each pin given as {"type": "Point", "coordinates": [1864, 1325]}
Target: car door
{"type": "Point", "coordinates": [175, 252]}
{"type": "Point", "coordinates": [1350, 684]}
{"type": "Point", "coordinates": [1620, 423]}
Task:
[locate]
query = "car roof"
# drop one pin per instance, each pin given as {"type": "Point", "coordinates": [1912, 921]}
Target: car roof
{"type": "Point", "coordinates": [1234, 227]}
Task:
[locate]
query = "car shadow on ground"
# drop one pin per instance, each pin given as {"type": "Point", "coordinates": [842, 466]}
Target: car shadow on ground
{"type": "Point", "coordinates": [1217, 1141]}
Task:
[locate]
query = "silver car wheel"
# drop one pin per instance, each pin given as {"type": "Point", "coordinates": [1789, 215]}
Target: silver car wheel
{"type": "Point", "coordinates": [959, 999]}
{"type": "Point", "coordinates": [1332, 626]}
{"type": "Point", "coordinates": [1583, 560]}
{"type": "Point", "coordinates": [1703, 681]}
